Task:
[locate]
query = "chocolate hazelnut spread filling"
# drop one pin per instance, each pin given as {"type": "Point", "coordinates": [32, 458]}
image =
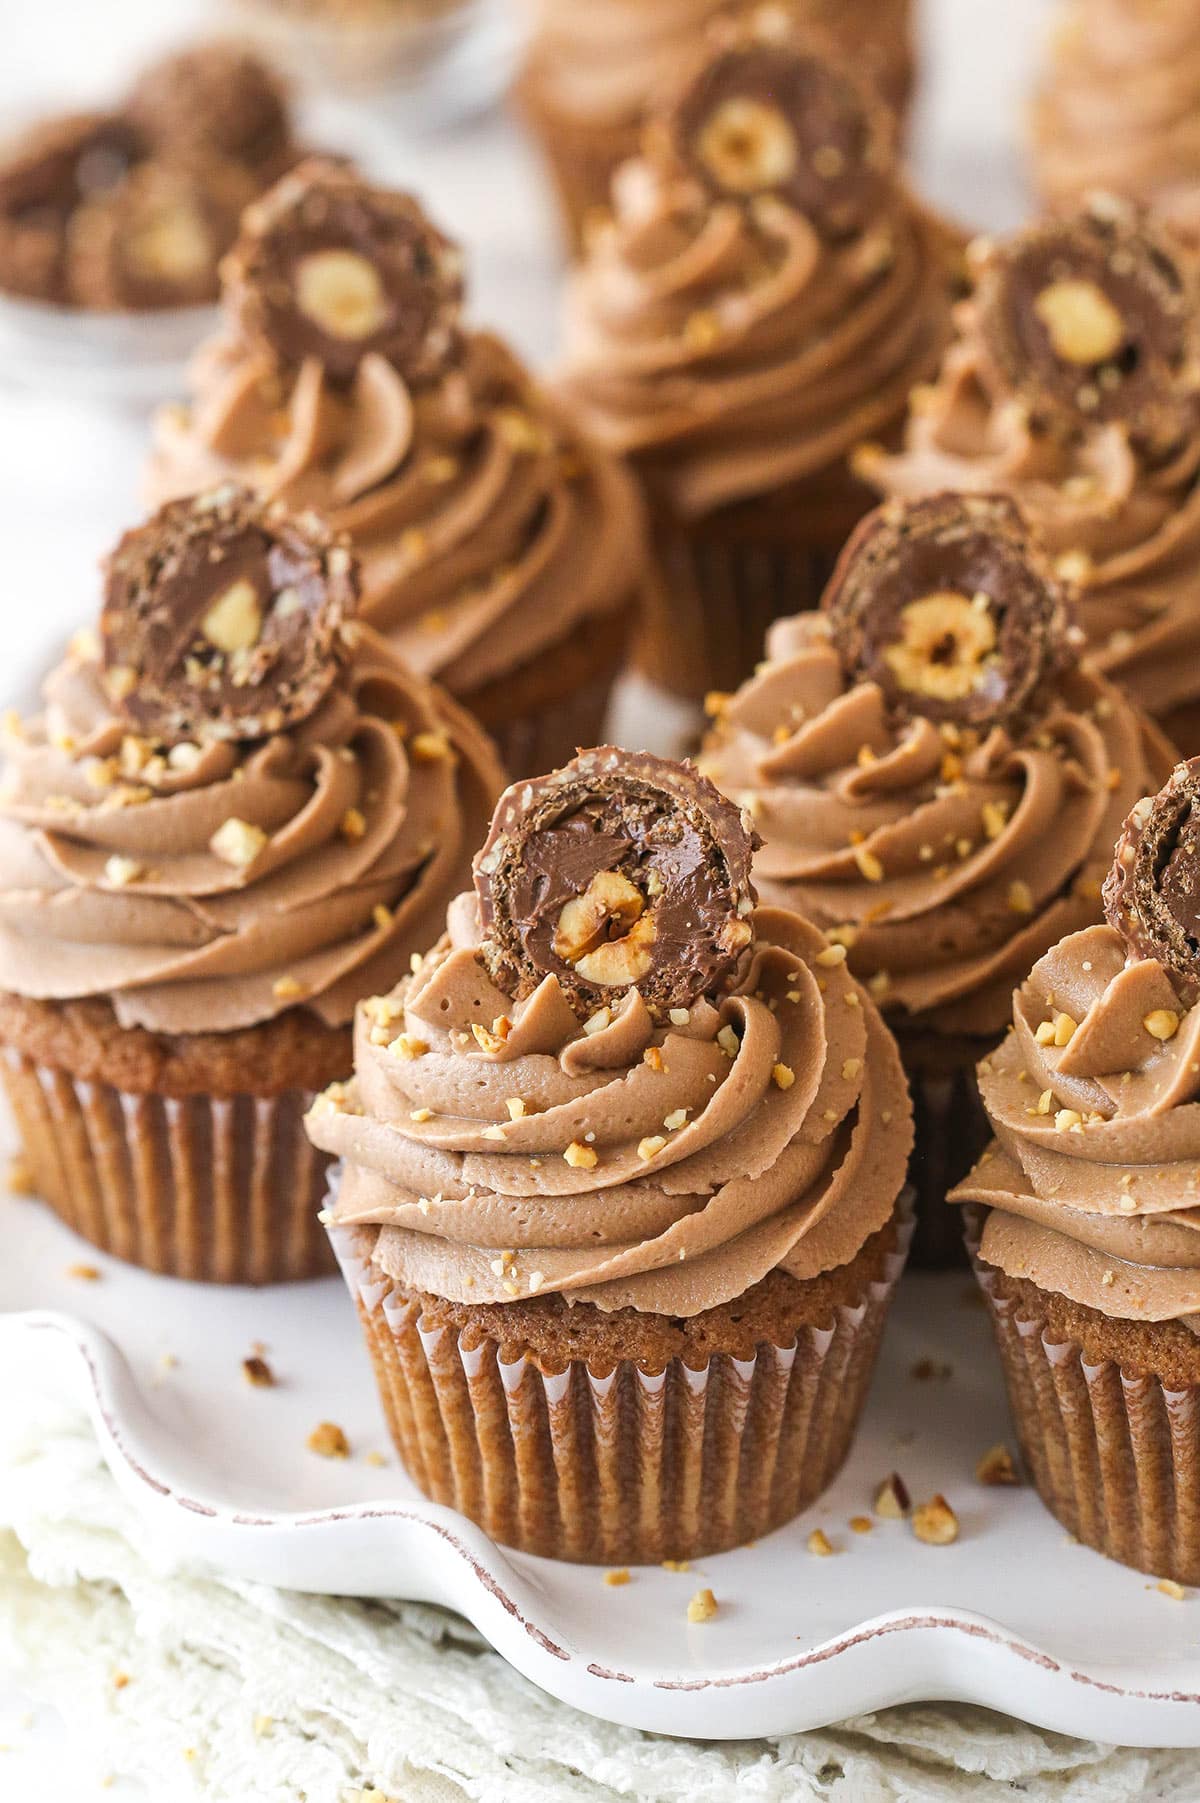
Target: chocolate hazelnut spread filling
{"type": "Point", "coordinates": [224, 617]}
{"type": "Point", "coordinates": [951, 610]}
{"type": "Point", "coordinates": [618, 870]}
{"type": "Point", "coordinates": [330, 268]}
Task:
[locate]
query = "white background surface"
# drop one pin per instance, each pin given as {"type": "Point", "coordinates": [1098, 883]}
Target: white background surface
{"type": "Point", "coordinates": [69, 477]}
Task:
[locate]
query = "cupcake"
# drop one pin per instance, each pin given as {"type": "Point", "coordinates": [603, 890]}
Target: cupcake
{"type": "Point", "coordinates": [1083, 1211]}
{"type": "Point", "coordinates": [1073, 386]}
{"type": "Point", "coordinates": [765, 290]}
{"type": "Point", "coordinates": [131, 210]}
{"type": "Point", "coordinates": [592, 74]}
{"type": "Point", "coordinates": [500, 552]}
{"type": "Point", "coordinates": [1117, 107]}
{"type": "Point", "coordinates": [237, 813]}
{"type": "Point", "coordinates": [938, 787]}
{"type": "Point", "coordinates": [620, 1198]}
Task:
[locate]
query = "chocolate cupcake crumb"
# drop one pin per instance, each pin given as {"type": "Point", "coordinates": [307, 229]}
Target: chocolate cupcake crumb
{"type": "Point", "coordinates": [1152, 892]}
{"type": "Point", "coordinates": [621, 870]}
{"type": "Point", "coordinates": [949, 606]}
{"type": "Point", "coordinates": [1095, 320]}
{"type": "Point", "coordinates": [224, 617]}
{"type": "Point", "coordinates": [328, 266]}
{"type": "Point", "coordinates": [767, 113]}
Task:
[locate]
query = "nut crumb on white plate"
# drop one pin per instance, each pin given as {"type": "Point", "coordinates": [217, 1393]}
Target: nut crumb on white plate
{"type": "Point", "coordinates": [1170, 1588]}
{"type": "Point", "coordinates": [328, 1441]}
{"type": "Point", "coordinates": [85, 1273]}
{"type": "Point", "coordinates": [892, 1500]}
{"type": "Point", "coordinates": [258, 1373]}
{"type": "Point", "coordinates": [676, 1565]}
{"type": "Point", "coordinates": [702, 1607]}
{"type": "Point", "coordinates": [861, 1524]}
{"type": "Point", "coordinates": [376, 1459]}
{"type": "Point", "coordinates": [614, 1579]}
{"type": "Point", "coordinates": [935, 1522]}
{"type": "Point", "coordinates": [997, 1466]}
{"type": "Point", "coordinates": [819, 1544]}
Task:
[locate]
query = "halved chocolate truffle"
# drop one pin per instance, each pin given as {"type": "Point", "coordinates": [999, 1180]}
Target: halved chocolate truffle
{"type": "Point", "coordinates": [619, 870]}
{"type": "Point", "coordinates": [771, 113]}
{"type": "Point", "coordinates": [1095, 319]}
{"type": "Point", "coordinates": [948, 604]}
{"type": "Point", "coordinates": [225, 617]}
{"type": "Point", "coordinates": [1152, 892]}
{"type": "Point", "coordinates": [328, 266]}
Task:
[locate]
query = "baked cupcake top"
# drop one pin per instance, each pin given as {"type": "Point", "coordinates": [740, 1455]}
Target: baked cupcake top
{"type": "Point", "coordinates": [605, 63]}
{"type": "Point", "coordinates": [346, 381]}
{"type": "Point", "coordinates": [1117, 105]}
{"type": "Point", "coordinates": [1074, 385]}
{"type": "Point", "coordinates": [1094, 1096]}
{"type": "Point", "coordinates": [237, 799]}
{"type": "Point", "coordinates": [937, 784]}
{"type": "Point", "coordinates": [766, 287]}
{"type": "Point", "coordinates": [615, 1078]}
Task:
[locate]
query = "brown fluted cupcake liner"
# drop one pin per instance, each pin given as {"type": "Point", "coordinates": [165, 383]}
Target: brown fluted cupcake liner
{"type": "Point", "coordinates": [541, 714]}
{"type": "Point", "coordinates": [718, 583]}
{"type": "Point", "coordinates": [950, 1132]}
{"type": "Point", "coordinates": [619, 1465]}
{"type": "Point", "coordinates": [217, 1189]}
{"type": "Point", "coordinates": [1114, 1454]}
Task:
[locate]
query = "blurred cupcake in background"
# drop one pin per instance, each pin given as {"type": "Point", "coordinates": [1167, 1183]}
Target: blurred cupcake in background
{"type": "Point", "coordinates": [1074, 385]}
{"type": "Point", "coordinates": [621, 1201]}
{"type": "Point", "coordinates": [593, 73]}
{"type": "Point", "coordinates": [1083, 1210]}
{"type": "Point", "coordinates": [132, 210]}
{"type": "Point", "coordinates": [1118, 107]}
{"type": "Point", "coordinates": [938, 787]}
{"type": "Point", "coordinates": [500, 550]}
{"type": "Point", "coordinates": [237, 813]}
{"type": "Point", "coordinates": [766, 288]}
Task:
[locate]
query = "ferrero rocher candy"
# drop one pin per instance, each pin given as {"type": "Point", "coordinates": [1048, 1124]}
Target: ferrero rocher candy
{"type": "Point", "coordinates": [948, 605]}
{"type": "Point", "coordinates": [619, 871]}
{"type": "Point", "coordinates": [224, 617]}
{"type": "Point", "coordinates": [1152, 892]}
{"type": "Point", "coordinates": [1094, 319]}
{"type": "Point", "coordinates": [773, 113]}
{"type": "Point", "coordinates": [213, 100]}
{"type": "Point", "coordinates": [156, 239]}
{"type": "Point", "coordinates": [331, 268]}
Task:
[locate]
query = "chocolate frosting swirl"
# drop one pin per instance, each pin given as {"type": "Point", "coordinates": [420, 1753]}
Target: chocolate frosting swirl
{"type": "Point", "coordinates": [216, 883]}
{"type": "Point", "coordinates": [731, 345]}
{"type": "Point", "coordinates": [664, 1167]}
{"type": "Point", "coordinates": [1094, 1098]}
{"type": "Point", "coordinates": [945, 858]}
{"type": "Point", "coordinates": [1116, 109]}
{"type": "Point", "coordinates": [1118, 514]}
{"type": "Point", "coordinates": [485, 527]}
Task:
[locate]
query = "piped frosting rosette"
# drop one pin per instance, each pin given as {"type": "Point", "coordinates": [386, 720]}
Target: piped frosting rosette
{"type": "Point", "coordinates": [766, 287]}
{"type": "Point", "coordinates": [1116, 109]}
{"type": "Point", "coordinates": [1074, 385]}
{"type": "Point", "coordinates": [527, 1119]}
{"type": "Point", "coordinates": [237, 799]}
{"type": "Point", "coordinates": [1094, 1097]}
{"type": "Point", "coordinates": [936, 785]}
{"type": "Point", "coordinates": [346, 382]}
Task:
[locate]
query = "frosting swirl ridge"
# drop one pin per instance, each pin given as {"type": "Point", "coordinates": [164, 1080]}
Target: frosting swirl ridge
{"type": "Point", "coordinates": [508, 1149]}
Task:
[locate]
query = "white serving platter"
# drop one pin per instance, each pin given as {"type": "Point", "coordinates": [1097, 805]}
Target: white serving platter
{"type": "Point", "coordinates": [1014, 1616]}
